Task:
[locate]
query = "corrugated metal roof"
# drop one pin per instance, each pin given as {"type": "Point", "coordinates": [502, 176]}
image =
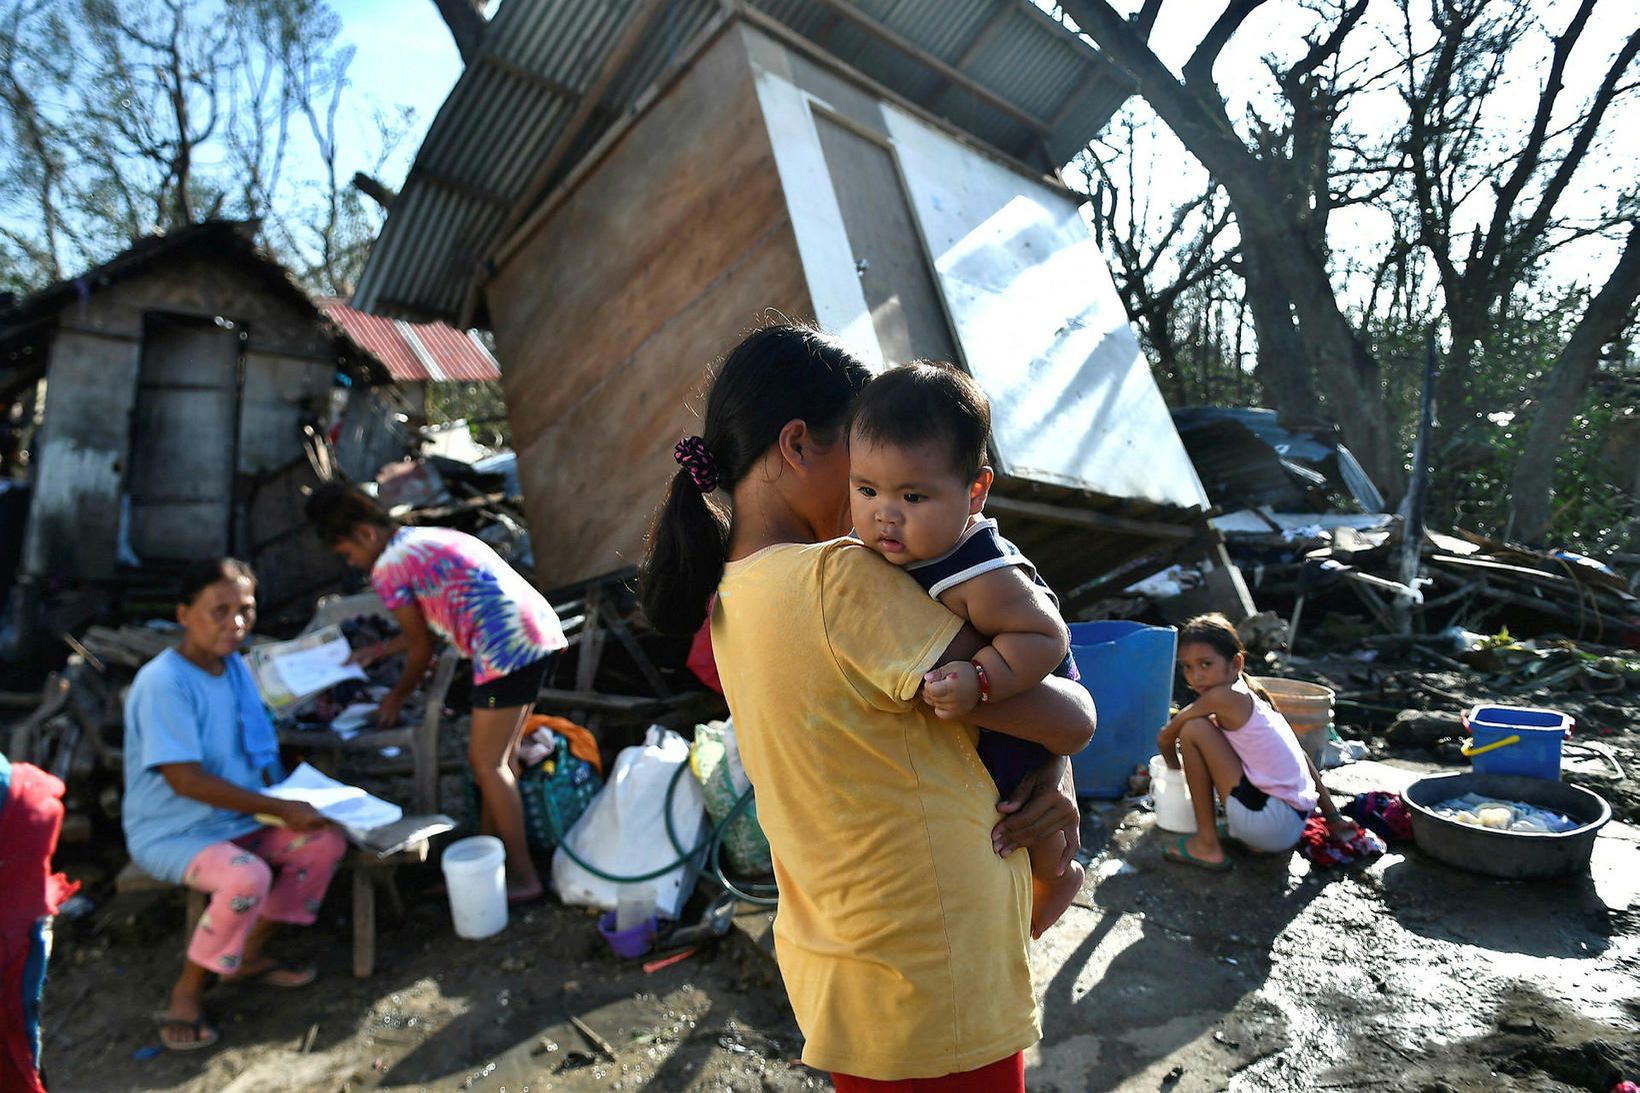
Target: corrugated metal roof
{"type": "Point", "coordinates": [415, 352]}
{"type": "Point", "coordinates": [509, 108]}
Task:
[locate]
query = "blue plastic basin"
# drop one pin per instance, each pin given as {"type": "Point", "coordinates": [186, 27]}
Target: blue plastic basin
{"type": "Point", "coordinates": [1128, 668]}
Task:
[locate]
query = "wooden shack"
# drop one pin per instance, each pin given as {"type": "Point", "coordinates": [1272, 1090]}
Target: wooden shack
{"type": "Point", "coordinates": [176, 382]}
{"type": "Point", "coordinates": [754, 172]}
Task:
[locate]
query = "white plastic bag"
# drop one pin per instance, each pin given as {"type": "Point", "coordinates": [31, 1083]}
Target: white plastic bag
{"type": "Point", "coordinates": [623, 830]}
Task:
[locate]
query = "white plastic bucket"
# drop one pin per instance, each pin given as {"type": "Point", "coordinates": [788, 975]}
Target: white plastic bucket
{"type": "Point", "coordinates": [1172, 798]}
{"type": "Point", "coordinates": [475, 873]}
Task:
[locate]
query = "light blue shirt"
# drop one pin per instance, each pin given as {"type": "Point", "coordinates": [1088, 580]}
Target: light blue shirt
{"type": "Point", "coordinates": [179, 713]}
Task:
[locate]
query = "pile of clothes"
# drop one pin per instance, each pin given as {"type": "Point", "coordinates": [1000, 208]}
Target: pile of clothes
{"type": "Point", "coordinates": [1383, 818]}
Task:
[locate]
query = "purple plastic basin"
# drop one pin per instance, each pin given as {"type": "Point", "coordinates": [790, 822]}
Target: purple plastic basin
{"type": "Point", "coordinates": [632, 943]}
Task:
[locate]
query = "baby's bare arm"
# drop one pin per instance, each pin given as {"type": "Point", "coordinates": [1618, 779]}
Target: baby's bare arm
{"type": "Point", "coordinates": [1028, 638]}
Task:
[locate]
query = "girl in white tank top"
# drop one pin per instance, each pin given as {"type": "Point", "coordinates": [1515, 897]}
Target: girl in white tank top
{"type": "Point", "coordinates": [1232, 741]}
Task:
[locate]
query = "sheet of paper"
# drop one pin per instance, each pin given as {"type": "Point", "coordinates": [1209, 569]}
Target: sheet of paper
{"type": "Point", "coordinates": [266, 662]}
{"type": "Point", "coordinates": [354, 720]}
{"type": "Point", "coordinates": [304, 671]}
{"type": "Point", "coordinates": [347, 805]}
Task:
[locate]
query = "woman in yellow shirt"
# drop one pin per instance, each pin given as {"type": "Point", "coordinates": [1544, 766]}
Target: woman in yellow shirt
{"type": "Point", "coordinates": [903, 919]}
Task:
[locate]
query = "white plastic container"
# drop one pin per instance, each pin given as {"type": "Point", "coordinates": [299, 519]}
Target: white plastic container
{"type": "Point", "coordinates": [475, 872]}
{"type": "Point", "coordinates": [1172, 797]}
{"type": "Point", "coordinates": [636, 904]}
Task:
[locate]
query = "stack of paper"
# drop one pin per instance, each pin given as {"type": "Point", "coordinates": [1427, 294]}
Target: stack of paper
{"type": "Point", "coordinates": [289, 671]}
{"type": "Point", "coordinates": [354, 719]}
{"type": "Point", "coordinates": [347, 805]}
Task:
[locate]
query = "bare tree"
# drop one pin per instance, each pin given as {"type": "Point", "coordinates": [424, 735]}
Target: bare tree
{"type": "Point", "coordinates": [1165, 262]}
{"type": "Point", "coordinates": [1610, 312]}
{"type": "Point", "coordinates": [1278, 182]}
{"type": "Point", "coordinates": [167, 112]}
{"type": "Point", "coordinates": [162, 101]}
{"type": "Point", "coordinates": [37, 164]}
{"type": "Point", "coordinates": [1488, 214]}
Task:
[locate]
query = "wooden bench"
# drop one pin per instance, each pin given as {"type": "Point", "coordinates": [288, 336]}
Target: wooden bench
{"type": "Point", "coordinates": [369, 873]}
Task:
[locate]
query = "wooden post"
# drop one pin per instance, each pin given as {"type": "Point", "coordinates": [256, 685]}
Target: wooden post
{"type": "Point", "coordinates": [591, 651]}
{"type": "Point", "coordinates": [1412, 505]}
{"type": "Point", "coordinates": [364, 921]}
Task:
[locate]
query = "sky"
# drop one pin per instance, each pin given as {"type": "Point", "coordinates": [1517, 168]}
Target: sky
{"type": "Point", "coordinates": [405, 57]}
{"type": "Point", "coordinates": [1279, 29]}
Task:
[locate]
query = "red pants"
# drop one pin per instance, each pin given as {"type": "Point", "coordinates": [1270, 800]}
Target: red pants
{"type": "Point", "coordinates": [1003, 1076]}
{"type": "Point", "coordinates": [239, 876]}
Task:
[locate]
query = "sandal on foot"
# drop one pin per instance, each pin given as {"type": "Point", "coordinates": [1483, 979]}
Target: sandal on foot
{"type": "Point", "coordinates": [278, 975]}
{"type": "Point", "coordinates": [1179, 853]}
{"type": "Point", "coordinates": [204, 1035]}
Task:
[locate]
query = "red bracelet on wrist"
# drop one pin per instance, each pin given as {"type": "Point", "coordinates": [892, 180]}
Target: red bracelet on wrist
{"type": "Point", "coordinates": [984, 681]}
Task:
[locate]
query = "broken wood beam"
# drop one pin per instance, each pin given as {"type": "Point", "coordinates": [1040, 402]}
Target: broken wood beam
{"type": "Point", "coordinates": [1088, 518]}
{"type": "Point", "coordinates": [592, 700]}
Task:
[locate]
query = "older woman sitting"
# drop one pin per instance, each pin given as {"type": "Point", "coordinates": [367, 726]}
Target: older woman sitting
{"type": "Point", "coordinates": [198, 751]}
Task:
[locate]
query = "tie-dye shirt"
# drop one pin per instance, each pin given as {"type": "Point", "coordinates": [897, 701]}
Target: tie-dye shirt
{"type": "Point", "coordinates": [476, 601]}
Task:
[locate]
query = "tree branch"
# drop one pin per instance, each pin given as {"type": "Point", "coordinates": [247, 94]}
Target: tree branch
{"type": "Point", "coordinates": [1532, 150]}
{"type": "Point", "coordinates": [466, 26]}
{"type": "Point", "coordinates": [1325, 49]}
{"type": "Point", "coordinates": [1608, 313]}
{"type": "Point", "coordinates": [1199, 68]}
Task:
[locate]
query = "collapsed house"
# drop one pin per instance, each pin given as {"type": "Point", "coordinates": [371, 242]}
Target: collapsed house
{"type": "Point", "coordinates": [168, 406]}
{"type": "Point", "coordinates": [619, 191]}
{"type": "Point", "coordinates": [1300, 516]}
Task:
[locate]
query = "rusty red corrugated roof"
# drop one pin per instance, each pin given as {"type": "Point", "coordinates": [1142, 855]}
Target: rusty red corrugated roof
{"type": "Point", "coordinates": [415, 352]}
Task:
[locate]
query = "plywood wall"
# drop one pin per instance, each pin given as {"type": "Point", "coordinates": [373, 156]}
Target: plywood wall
{"type": "Point", "coordinates": [92, 423]}
{"type": "Point", "coordinates": [607, 319]}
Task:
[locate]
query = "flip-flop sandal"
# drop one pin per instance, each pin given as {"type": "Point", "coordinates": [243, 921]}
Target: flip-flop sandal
{"type": "Point", "coordinates": [204, 1034]}
{"type": "Point", "coordinates": [279, 976]}
{"type": "Point", "coordinates": [1179, 854]}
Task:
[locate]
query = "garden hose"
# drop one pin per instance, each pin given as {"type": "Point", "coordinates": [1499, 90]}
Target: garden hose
{"type": "Point", "coordinates": [708, 850]}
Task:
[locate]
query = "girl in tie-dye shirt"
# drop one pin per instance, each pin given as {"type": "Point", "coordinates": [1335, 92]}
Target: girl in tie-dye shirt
{"type": "Point", "coordinates": [436, 580]}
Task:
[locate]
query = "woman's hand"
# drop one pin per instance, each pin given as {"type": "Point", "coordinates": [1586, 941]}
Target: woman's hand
{"type": "Point", "coordinates": [1042, 803]}
{"type": "Point", "coordinates": [387, 713]}
{"type": "Point", "coordinates": [300, 816]}
{"type": "Point", "coordinates": [366, 655]}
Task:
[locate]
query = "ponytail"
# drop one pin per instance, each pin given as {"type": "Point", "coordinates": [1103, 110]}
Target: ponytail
{"type": "Point", "coordinates": [688, 547]}
{"type": "Point", "coordinates": [1257, 688]}
{"type": "Point", "coordinates": [775, 375]}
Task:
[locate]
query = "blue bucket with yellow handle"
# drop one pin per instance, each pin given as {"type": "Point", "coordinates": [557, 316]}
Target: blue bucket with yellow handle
{"type": "Point", "coordinates": [1521, 740]}
{"type": "Point", "coordinates": [1128, 668]}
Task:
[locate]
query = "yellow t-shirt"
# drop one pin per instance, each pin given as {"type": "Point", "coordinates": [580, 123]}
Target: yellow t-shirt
{"type": "Point", "coordinates": [901, 935]}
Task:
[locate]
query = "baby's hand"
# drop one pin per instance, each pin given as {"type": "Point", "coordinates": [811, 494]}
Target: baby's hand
{"type": "Point", "coordinates": [952, 689]}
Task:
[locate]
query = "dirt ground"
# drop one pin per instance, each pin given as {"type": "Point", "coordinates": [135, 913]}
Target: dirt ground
{"type": "Point", "coordinates": [1402, 975]}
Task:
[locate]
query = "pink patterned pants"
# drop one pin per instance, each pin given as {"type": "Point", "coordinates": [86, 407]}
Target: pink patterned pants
{"type": "Point", "coordinates": [239, 877]}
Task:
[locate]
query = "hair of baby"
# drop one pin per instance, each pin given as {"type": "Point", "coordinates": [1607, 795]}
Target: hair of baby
{"type": "Point", "coordinates": [927, 402]}
{"type": "Point", "coordinates": [777, 374]}
{"type": "Point", "coordinates": [336, 510]}
{"type": "Point", "coordinates": [197, 576]}
{"type": "Point", "coordinates": [1219, 634]}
